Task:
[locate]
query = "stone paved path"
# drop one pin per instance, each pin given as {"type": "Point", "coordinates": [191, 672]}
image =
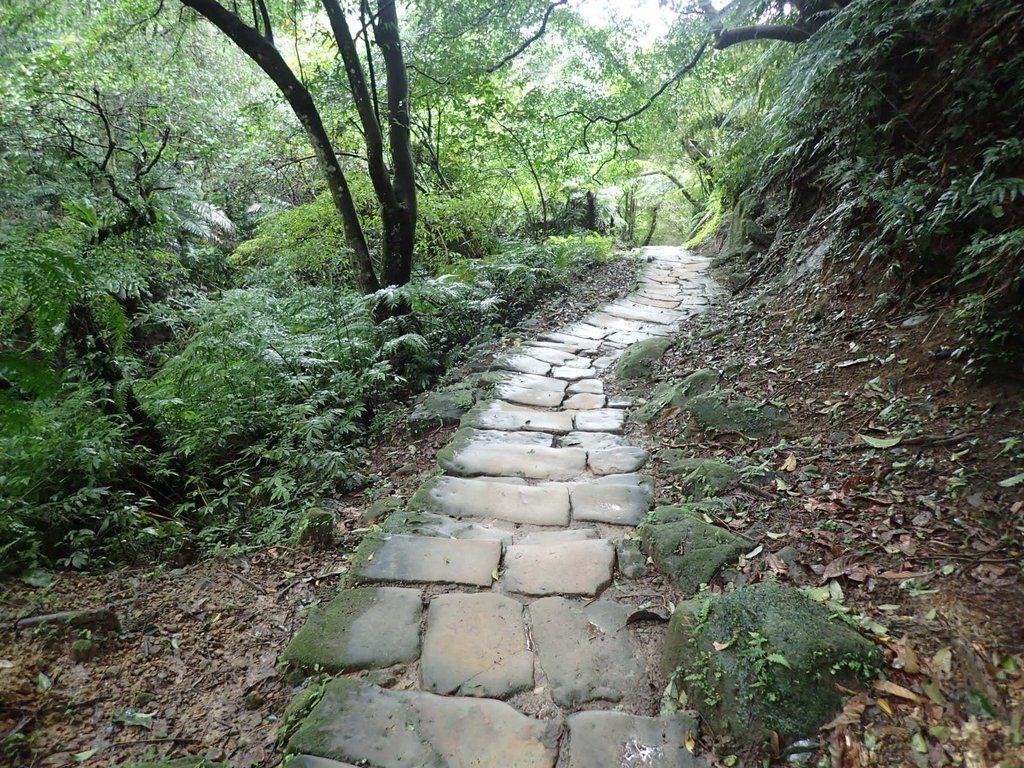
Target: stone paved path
{"type": "Point", "coordinates": [524, 655]}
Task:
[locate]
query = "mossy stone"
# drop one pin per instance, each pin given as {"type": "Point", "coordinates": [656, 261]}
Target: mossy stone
{"type": "Point", "coordinates": [636, 361]}
{"type": "Point", "coordinates": [765, 658]}
{"type": "Point", "coordinates": [689, 550]}
{"type": "Point", "coordinates": [321, 640]}
{"type": "Point", "coordinates": [315, 529]}
{"type": "Point", "coordinates": [630, 560]}
{"type": "Point", "coordinates": [675, 394]}
{"type": "Point", "coordinates": [720, 411]}
{"type": "Point", "coordinates": [381, 509]}
{"type": "Point", "coordinates": [441, 408]}
{"type": "Point", "coordinates": [676, 512]}
{"type": "Point", "coordinates": [701, 478]}
{"type": "Point", "coordinates": [84, 649]}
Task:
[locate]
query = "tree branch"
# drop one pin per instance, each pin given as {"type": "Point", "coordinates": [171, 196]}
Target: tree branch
{"type": "Point", "coordinates": [786, 34]}
{"type": "Point", "coordinates": [530, 40]}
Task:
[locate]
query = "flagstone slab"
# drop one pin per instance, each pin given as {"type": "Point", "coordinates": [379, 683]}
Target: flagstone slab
{"type": "Point", "coordinates": [570, 568]}
{"type": "Point", "coordinates": [523, 364]}
{"type": "Point", "coordinates": [507, 416]}
{"type": "Point", "coordinates": [584, 401]}
{"type": "Point", "coordinates": [620, 739]}
{"type": "Point", "coordinates": [360, 723]}
{"type": "Point", "coordinates": [467, 435]}
{"type": "Point", "coordinates": [578, 362]}
{"type": "Point", "coordinates": [616, 323]}
{"type": "Point", "coordinates": [546, 354]}
{"type": "Point", "coordinates": [476, 645]}
{"type": "Point", "coordinates": [586, 330]}
{"type": "Point", "coordinates": [492, 499]}
{"type": "Point", "coordinates": [532, 381]}
{"type": "Point", "coordinates": [570, 373]}
{"type": "Point", "coordinates": [607, 361]}
{"type": "Point", "coordinates": [539, 398]}
{"type": "Point", "coordinates": [559, 537]}
{"type": "Point", "coordinates": [591, 441]}
{"type": "Point", "coordinates": [561, 346]}
{"type": "Point", "coordinates": [361, 628]}
{"type": "Point", "coordinates": [601, 420]}
{"type": "Point", "coordinates": [433, 560]}
{"type": "Point", "coordinates": [423, 523]}
{"type": "Point", "coordinates": [535, 462]}
{"type": "Point", "coordinates": [591, 386]}
{"type": "Point", "coordinates": [616, 461]}
{"type": "Point", "coordinates": [583, 344]}
{"type": "Point", "coordinates": [612, 504]}
{"type": "Point", "coordinates": [585, 650]}
{"type": "Point", "coordinates": [656, 303]}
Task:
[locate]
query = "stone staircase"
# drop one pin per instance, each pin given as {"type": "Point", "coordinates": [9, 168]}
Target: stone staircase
{"type": "Point", "coordinates": [500, 632]}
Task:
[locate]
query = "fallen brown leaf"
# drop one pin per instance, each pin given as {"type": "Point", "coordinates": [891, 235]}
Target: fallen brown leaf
{"type": "Point", "coordinates": [894, 689]}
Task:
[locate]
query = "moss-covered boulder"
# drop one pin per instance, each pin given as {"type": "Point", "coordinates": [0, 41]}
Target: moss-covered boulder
{"type": "Point", "coordinates": [637, 360]}
{"type": "Point", "coordinates": [444, 407]}
{"type": "Point", "coordinates": [765, 658]}
{"type": "Point", "coordinates": [315, 529]}
{"type": "Point", "coordinates": [700, 478]}
{"type": "Point", "coordinates": [675, 394]}
{"type": "Point", "coordinates": [686, 548]}
{"type": "Point", "coordinates": [721, 411]}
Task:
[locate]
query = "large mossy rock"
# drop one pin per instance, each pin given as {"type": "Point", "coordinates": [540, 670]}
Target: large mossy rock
{"type": "Point", "coordinates": [699, 479]}
{"type": "Point", "coordinates": [637, 360]}
{"type": "Point", "coordinates": [765, 658]}
{"type": "Point", "coordinates": [675, 394]}
{"type": "Point", "coordinates": [441, 408]}
{"type": "Point", "coordinates": [686, 548]}
{"type": "Point", "coordinates": [720, 411]}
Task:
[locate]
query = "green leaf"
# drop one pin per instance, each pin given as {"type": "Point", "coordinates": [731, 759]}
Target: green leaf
{"type": "Point", "coordinates": [1012, 481]}
{"type": "Point", "coordinates": [778, 658]}
{"type": "Point", "coordinates": [81, 757]}
{"type": "Point", "coordinates": [918, 743]}
{"type": "Point", "coordinates": [881, 442]}
{"type": "Point", "coordinates": [131, 717]}
{"type": "Point", "coordinates": [43, 682]}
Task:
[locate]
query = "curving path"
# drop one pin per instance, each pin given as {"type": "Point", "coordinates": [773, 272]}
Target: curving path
{"type": "Point", "coordinates": [506, 601]}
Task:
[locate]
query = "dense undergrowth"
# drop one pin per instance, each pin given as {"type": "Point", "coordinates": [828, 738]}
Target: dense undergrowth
{"type": "Point", "coordinates": [903, 119]}
{"type": "Point", "coordinates": [242, 391]}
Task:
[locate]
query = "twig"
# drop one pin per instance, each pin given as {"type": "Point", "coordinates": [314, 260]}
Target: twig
{"type": "Point", "coordinates": [753, 489]}
{"type": "Point", "coordinates": [164, 740]}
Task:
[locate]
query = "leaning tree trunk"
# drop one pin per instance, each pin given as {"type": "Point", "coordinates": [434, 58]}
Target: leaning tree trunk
{"type": "Point", "coordinates": [260, 48]}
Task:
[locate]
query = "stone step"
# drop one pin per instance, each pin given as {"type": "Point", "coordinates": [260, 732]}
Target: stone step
{"type": "Point", "coordinates": [360, 723]}
{"type": "Point", "coordinates": [585, 650]}
{"type": "Point", "coordinates": [559, 537]}
{"type": "Point", "coordinates": [506, 416]}
{"type": "Point", "coordinates": [427, 559]}
{"type": "Point", "coordinates": [584, 401]}
{"type": "Point", "coordinates": [424, 523]}
{"type": "Point", "coordinates": [616, 461]}
{"type": "Point", "coordinates": [569, 568]}
{"type": "Point", "coordinates": [612, 504]}
{"type": "Point", "coordinates": [590, 441]}
{"type": "Point", "coordinates": [361, 628]}
{"type": "Point", "coordinates": [537, 398]}
{"type": "Point", "coordinates": [588, 386]}
{"type": "Point", "coordinates": [581, 343]}
{"type": "Point", "coordinates": [620, 739]}
{"type": "Point", "coordinates": [490, 499]}
{"type": "Point", "coordinates": [532, 381]}
{"type": "Point", "coordinates": [476, 645]}
{"type": "Point", "coordinates": [586, 331]}
{"type": "Point", "coordinates": [527, 461]}
{"type": "Point", "coordinates": [601, 420]}
{"type": "Point", "coordinates": [523, 364]}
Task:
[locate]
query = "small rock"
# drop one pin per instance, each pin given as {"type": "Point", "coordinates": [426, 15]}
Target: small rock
{"type": "Point", "coordinates": [254, 700]}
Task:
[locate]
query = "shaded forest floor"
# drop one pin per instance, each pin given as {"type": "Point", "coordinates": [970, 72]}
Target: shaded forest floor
{"type": "Point", "coordinates": [919, 540]}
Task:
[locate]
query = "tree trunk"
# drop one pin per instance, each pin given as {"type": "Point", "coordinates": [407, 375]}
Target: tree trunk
{"type": "Point", "coordinates": [261, 50]}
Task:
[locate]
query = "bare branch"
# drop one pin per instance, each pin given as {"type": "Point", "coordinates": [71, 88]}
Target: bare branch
{"type": "Point", "coordinates": [531, 39]}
